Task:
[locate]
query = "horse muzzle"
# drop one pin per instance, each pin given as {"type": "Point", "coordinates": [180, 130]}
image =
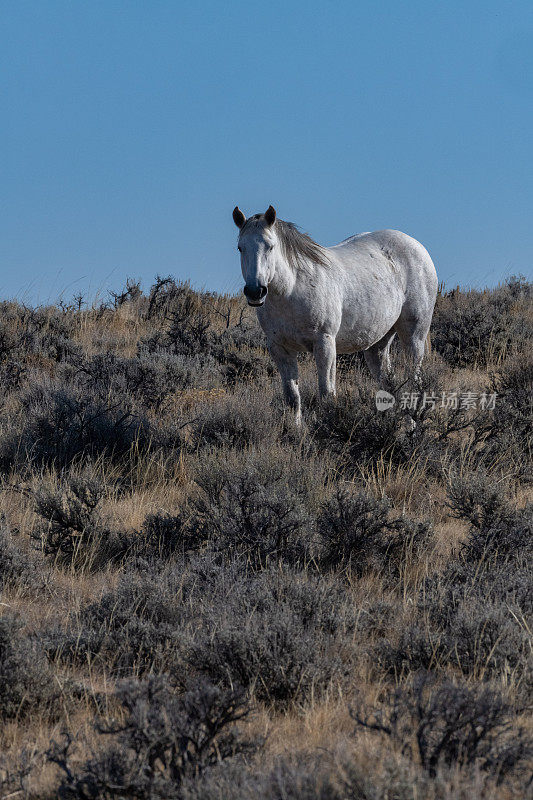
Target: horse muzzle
{"type": "Point", "coordinates": [255, 295]}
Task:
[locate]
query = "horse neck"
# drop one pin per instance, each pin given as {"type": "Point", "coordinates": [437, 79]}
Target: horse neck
{"type": "Point", "coordinates": [284, 278]}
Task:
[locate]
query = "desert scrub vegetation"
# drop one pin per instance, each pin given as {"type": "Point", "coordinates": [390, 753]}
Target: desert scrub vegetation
{"type": "Point", "coordinates": [200, 600]}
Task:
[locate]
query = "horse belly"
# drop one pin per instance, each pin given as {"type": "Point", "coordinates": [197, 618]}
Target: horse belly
{"type": "Point", "coordinates": [365, 323]}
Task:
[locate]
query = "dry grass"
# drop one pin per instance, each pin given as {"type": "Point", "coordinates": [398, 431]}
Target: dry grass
{"type": "Point", "coordinates": [164, 449]}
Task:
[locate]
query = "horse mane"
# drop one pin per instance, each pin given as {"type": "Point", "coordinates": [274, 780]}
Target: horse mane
{"type": "Point", "coordinates": [296, 245]}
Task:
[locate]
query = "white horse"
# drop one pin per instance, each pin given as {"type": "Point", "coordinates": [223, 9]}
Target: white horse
{"type": "Point", "coordinates": [354, 296]}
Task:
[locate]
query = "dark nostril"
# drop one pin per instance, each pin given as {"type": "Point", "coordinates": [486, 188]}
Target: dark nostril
{"type": "Point", "coordinates": [255, 293]}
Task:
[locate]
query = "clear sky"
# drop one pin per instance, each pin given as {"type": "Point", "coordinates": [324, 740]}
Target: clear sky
{"type": "Point", "coordinates": [131, 129]}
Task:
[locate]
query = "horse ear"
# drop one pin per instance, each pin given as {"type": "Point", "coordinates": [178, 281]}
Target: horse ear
{"type": "Point", "coordinates": [238, 217]}
{"type": "Point", "coordinates": [270, 215]}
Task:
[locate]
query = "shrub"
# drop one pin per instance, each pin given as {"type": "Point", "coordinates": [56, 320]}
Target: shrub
{"type": "Point", "coordinates": [357, 534]}
{"type": "Point", "coordinates": [257, 505]}
{"type": "Point", "coordinates": [237, 352]}
{"type": "Point", "coordinates": [476, 622]}
{"type": "Point", "coordinates": [236, 420]}
{"type": "Point", "coordinates": [294, 776]}
{"type": "Point", "coordinates": [416, 649]}
{"type": "Point", "coordinates": [474, 611]}
{"type": "Point", "coordinates": [352, 527]}
{"type": "Point", "coordinates": [477, 499]}
{"type": "Point", "coordinates": [25, 680]}
{"type": "Point", "coordinates": [72, 533]}
{"type": "Point", "coordinates": [59, 424]}
{"type": "Point", "coordinates": [165, 535]}
{"type": "Point", "coordinates": [168, 296]}
{"type": "Point", "coordinates": [197, 368]}
{"type": "Point", "coordinates": [148, 380]}
{"type": "Point", "coordinates": [138, 627]}
{"type": "Point", "coordinates": [323, 774]}
{"type": "Point", "coordinates": [11, 377]}
{"type": "Point", "coordinates": [505, 435]}
{"type": "Point", "coordinates": [351, 427]}
{"type": "Point", "coordinates": [502, 539]}
{"type": "Point", "coordinates": [276, 633]}
{"type": "Point", "coordinates": [505, 583]}
{"type": "Point", "coordinates": [10, 337]}
{"type": "Point", "coordinates": [164, 741]}
{"type": "Point", "coordinates": [482, 640]}
{"type": "Point", "coordinates": [477, 328]}
{"type": "Point", "coordinates": [190, 321]}
{"type": "Point", "coordinates": [19, 571]}
{"type": "Point", "coordinates": [488, 641]}
{"type": "Point", "coordinates": [242, 354]}
{"type": "Point", "coordinates": [513, 384]}
{"type": "Point", "coordinates": [131, 292]}
{"type": "Point", "coordinates": [496, 529]}
{"type": "Point", "coordinates": [35, 332]}
{"type": "Point", "coordinates": [451, 724]}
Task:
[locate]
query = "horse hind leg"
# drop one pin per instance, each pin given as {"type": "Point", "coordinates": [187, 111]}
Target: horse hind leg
{"type": "Point", "coordinates": [413, 334]}
{"type": "Point", "coordinates": [377, 358]}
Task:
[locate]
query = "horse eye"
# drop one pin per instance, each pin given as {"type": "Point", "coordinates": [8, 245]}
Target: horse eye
{"type": "Point", "coordinates": [239, 248]}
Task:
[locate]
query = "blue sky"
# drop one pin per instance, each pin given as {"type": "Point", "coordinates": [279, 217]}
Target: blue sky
{"type": "Point", "coordinates": [131, 129]}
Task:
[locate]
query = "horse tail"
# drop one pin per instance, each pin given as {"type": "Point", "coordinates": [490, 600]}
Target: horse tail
{"type": "Point", "coordinates": [428, 343]}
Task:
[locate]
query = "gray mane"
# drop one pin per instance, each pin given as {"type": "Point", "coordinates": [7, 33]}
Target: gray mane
{"type": "Point", "coordinates": [296, 245]}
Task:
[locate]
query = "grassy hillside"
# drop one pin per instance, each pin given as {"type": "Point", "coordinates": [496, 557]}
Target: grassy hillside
{"type": "Point", "coordinates": [199, 600]}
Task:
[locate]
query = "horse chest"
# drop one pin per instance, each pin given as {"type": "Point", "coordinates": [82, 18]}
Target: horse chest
{"type": "Point", "coordinates": [294, 327]}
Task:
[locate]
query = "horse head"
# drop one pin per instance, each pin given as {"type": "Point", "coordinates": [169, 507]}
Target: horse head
{"type": "Point", "coordinates": [257, 246]}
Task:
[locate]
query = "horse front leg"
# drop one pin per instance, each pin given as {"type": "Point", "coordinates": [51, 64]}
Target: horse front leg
{"type": "Point", "coordinates": [325, 352]}
{"type": "Point", "coordinates": [287, 365]}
